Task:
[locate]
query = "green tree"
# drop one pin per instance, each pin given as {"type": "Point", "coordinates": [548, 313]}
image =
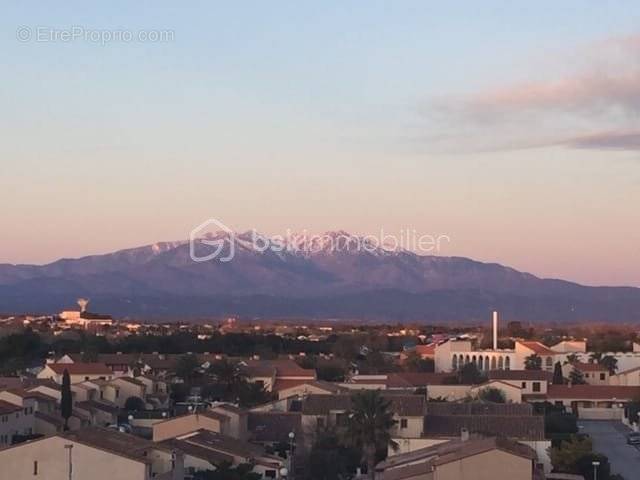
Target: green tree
{"type": "Point", "coordinates": [66, 405]}
{"type": "Point", "coordinates": [186, 366]}
{"type": "Point", "coordinates": [329, 459]}
{"type": "Point", "coordinates": [470, 375]}
{"type": "Point", "coordinates": [610, 363]}
{"type": "Point", "coordinates": [533, 362]}
{"type": "Point", "coordinates": [564, 457]}
{"type": "Point", "coordinates": [251, 394]}
{"type": "Point", "coordinates": [134, 404]}
{"type": "Point", "coordinates": [331, 372]}
{"type": "Point", "coordinates": [576, 377]}
{"type": "Point", "coordinates": [415, 363]}
{"type": "Point", "coordinates": [224, 471]}
{"type": "Point", "coordinates": [231, 376]}
{"type": "Point", "coordinates": [368, 426]}
{"type": "Point", "coordinates": [493, 395]}
{"type": "Point", "coordinates": [558, 378]}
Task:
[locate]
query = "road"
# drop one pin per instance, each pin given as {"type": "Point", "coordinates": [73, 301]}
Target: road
{"type": "Point", "coordinates": [609, 438]}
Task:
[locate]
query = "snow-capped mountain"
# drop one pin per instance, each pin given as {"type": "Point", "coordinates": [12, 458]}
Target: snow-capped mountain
{"type": "Point", "coordinates": [335, 274]}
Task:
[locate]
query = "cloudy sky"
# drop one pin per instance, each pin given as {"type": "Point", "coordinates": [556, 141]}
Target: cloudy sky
{"type": "Point", "coordinates": [512, 128]}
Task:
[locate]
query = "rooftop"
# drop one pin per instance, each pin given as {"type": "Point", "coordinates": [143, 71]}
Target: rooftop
{"type": "Point", "coordinates": [407, 465]}
{"type": "Point", "coordinates": [539, 375]}
{"type": "Point", "coordinates": [401, 404]}
{"type": "Point", "coordinates": [81, 368]}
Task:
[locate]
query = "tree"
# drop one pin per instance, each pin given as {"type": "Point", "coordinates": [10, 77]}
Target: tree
{"type": "Point", "coordinates": [415, 363]}
{"type": "Point", "coordinates": [66, 406]}
{"type": "Point", "coordinates": [134, 404]}
{"type": "Point", "coordinates": [251, 394]}
{"type": "Point", "coordinates": [329, 459]}
{"type": "Point", "coordinates": [224, 471]}
{"type": "Point", "coordinates": [558, 378]}
{"type": "Point", "coordinates": [610, 363]}
{"type": "Point", "coordinates": [470, 375]}
{"type": "Point", "coordinates": [231, 376]}
{"type": "Point", "coordinates": [368, 426]}
{"type": "Point", "coordinates": [186, 366]}
{"type": "Point", "coordinates": [571, 359]}
{"type": "Point", "coordinates": [576, 377]}
{"type": "Point", "coordinates": [493, 395]}
{"type": "Point", "coordinates": [533, 362]}
{"type": "Point", "coordinates": [564, 457]}
{"type": "Point", "coordinates": [330, 372]}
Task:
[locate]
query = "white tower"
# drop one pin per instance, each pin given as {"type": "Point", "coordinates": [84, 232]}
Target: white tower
{"type": "Point", "coordinates": [495, 330]}
{"type": "Point", "coordinates": [82, 302]}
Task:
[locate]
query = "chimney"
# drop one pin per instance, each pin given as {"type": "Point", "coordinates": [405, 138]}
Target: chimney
{"type": "Point", "coordinates": [464, 434]}
{"type": "Point", "coordinates": [495, 330]}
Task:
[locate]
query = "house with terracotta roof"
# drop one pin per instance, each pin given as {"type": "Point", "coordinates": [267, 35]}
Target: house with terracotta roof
{"type": "Point", "coordinates": [15, 421]}
{"type": "Point", "coordinates": [532, 382]}
{"type": "Point", "coordinates": [204, 449]}
{"type": "Point", "coordinates": [525, 349]}
{"type": "Point", "coordinates": [309, 387]}
{"type": "Point", "coordinates": [78, 372]}
{"type": "Point", "coordinates": [592, 373]}
{"type": "Point", "coordinates": [276, 375]}
{"type": "Point", "coordinates": [319, 411]}
{"type": "Point", "coordinates": [226, 419]}
{"type": "Point", "coordinates": [596, 402]}
{"type": "Point", "coordinates": [96, 453]}
{"type": "Point", "coordinates": [629, 377]}
{"type": "Point", "coordinates": [463, 459]}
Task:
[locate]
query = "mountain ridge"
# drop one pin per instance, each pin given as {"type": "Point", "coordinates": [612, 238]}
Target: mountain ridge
{"type": "Point", "coordinates": [292, 279]}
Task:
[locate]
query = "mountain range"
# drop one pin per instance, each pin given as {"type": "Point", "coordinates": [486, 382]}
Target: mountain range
{"type": "Point", "coordinates": [335, 275]}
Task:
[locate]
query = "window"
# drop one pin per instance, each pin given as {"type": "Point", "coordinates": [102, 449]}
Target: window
{"type": "Point", "coordinates": [602, 376]}
{"type": "Point", "coordinates": [536, 386]}
{"type": "Point", "coordinates": [586, 375]}
{"type": "Point", "coordinates": [320, 422]}
{"type": "Point", "coordinates": [524, 385]}
{"type": "Point", "coordinates": [404, 423]}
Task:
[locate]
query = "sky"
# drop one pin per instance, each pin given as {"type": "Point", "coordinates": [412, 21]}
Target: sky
{"type": "Point", "coordinates": [513, 128]}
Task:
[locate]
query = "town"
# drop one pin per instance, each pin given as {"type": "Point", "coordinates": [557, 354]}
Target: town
{"type": "Point", "coordinates": [87, 394]}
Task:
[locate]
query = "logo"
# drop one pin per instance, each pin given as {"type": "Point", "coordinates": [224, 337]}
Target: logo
{"type": "Point", "coordinates": [212, 240]}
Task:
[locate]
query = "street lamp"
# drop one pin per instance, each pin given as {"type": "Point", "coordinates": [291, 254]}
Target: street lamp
{"type": "Point", "coordinates": [69, 448]}
{"type": "Point", "coordinates": [595, 469]}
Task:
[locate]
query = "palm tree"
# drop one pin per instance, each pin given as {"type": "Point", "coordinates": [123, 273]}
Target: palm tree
{"type": "Point", "coordinates": [610, 362]}
{"type": "Point", "coordinates": [595, 357]}
{"type": "Point", "coordinates": [571, 359]}
{"type": "Point", "coordinates": [368, 426]}
{"type": "Point", "coordinates": [533, 362]}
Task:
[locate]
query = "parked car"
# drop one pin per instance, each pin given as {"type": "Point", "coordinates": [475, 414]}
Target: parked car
{"type": "Point", "coordinates": [633, 438]}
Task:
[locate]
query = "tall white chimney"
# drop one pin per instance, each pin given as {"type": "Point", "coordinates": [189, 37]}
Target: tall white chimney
{"type": "Point", "coordinates": [495, 330]}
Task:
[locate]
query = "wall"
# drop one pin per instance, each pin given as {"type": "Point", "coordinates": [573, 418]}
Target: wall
{"type": "Point", "coordinates": [491, 465]}
{"type": "Point", "coordinates": [53, 464]}
{"type": "Point", "coordinates": [415, 426]}
{"type": "Point", "coordinates": [180, 425]}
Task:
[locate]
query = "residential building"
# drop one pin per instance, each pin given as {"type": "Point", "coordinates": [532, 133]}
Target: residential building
{"type": "Point", "coordinates": [469, 459]}
{"type": "Point", "coordinates": [329, 410]}
{"type": "Point", "coordinates": [95, 453]}
{"type": "Point", "coordinates": [78, 372]}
